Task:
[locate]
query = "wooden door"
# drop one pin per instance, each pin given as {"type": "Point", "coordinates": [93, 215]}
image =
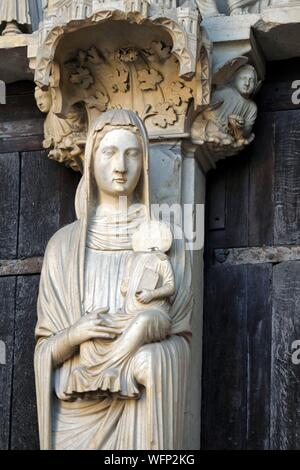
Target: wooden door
{"type": "Point", "coordinates": [251, 388]}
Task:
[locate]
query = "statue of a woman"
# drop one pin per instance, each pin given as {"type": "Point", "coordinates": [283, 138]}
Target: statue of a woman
{"type": "Point", "coordinates": [81, 303]}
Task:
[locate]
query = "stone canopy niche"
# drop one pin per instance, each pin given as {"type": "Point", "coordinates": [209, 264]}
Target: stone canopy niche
{"type": "Point", "coordinates": [147, 57]}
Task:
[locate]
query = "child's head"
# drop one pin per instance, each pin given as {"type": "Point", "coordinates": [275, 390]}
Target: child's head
{"type": "Point", "coordinates": [152, 236]}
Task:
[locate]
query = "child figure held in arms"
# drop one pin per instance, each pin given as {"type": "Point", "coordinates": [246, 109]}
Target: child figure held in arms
{"type": "Point", "coordinates": [147, 288]}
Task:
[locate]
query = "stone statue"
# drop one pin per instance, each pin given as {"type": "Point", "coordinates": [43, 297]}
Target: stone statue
{"type": "Point", "coordinates": [230, 117]}
{"type": "Point", "coordinates": [14, 13]}
{"type": "Point", "coordinates": [115, 304]}
{"type": "Point", "coordinates": [147, 286]}
{"type": "Point", "coordinates": [66, 137]}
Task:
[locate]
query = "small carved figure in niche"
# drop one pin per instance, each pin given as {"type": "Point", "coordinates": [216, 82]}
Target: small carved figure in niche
{"type": "Point", "coordinates": [66, 137]}
{"type": "Point", "coordinates": [230, 117]}
{"type": "Point", "coordinates": [14, 13]}
{"type": "Point", "coordinates": [147, 287]}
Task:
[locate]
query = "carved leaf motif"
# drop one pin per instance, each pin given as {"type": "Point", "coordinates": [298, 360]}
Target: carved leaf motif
{"type": "Point", "coordinates": [127, 55]}
{"type": "Point", "coordinates": [94, 56]}
{"type": "Point", "coordinates": [120, 81]}
{"type": "Point", "coordinates": [165, 115]}
{"type": "Point", "coordinates": [181, 93]}
{"type": "Point", "coordinates": [149, 79]}
{"type": "Point", "coordinates": [83, 77]}
{"type": "Point", "coordinates": [81, 58]}
{"type": "Point", "coordinates": [159, 49]}
{"type": "Point", "coordinates": [99, 101]}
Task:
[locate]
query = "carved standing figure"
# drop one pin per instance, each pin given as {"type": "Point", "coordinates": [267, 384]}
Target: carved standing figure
{"type": "Point", "coordinates": [80, 300]}
{"type": "Point", "coordinates": [14, 13]}
{"type": "Point", "coordinates": [65, 137]}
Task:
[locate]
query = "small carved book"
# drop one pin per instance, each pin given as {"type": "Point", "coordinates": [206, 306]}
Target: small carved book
{"type": "Point", "coordinates": [149, 280]}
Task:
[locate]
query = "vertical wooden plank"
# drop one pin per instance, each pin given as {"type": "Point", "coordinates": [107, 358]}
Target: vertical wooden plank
{"type": "Point", "coordinates": [7, 312]}
{"type": "Point", "coordinates": [261, 187]}
{"type": "Point", "coordinates": [237, 195]}
{"type": "Point", "coordinates": [259, 326]}
{"type": "Point", "coordinates": [287, 178]}
{"type": "Point", "coordinates": [47, 201]}
{"type": "Point", "coordinates": [9, 201]}
{"type": "Point", "coordinates": [224, 420]}
{"type": "Point", "coordinates": [285, 376]}
{"type": "Point", "coordinates": [216, 219]}
{"type": "Point", "coordinates": [24, 430]}
{"type": "Point", "coordinates": [39, 205]}
{"type": "Point", "coordinates": [228, 189]}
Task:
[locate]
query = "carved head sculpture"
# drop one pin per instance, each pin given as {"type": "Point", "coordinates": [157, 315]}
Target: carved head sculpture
{"type": "Point", "coordinates": [116, 161]}
{"type": "Point", "coordinates": [43, 99]}
{"type": "Point", "coordinates": [246, 80]}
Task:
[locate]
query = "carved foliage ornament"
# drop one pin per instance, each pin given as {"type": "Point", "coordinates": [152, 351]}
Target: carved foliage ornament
{"type": "Point", "coordinates": [107, 80]}
{"type": "Point", "coordinates": [145, 80]}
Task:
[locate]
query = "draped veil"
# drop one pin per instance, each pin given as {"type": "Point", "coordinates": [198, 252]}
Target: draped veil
{"type": "Point", "coordinates": [61, 295]}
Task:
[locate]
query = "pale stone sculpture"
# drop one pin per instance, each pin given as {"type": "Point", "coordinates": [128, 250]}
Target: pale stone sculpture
{"type": "Point", "coordinates": [84, 269]}
{"type": "Point", "coordinates": [14, 13]}
{"type": "Point", "coordinates": [155, 61]}
{"type": "Point", "coordinates": [68, 8]}
{"type": "Point", "coordinates": [208, 7]}
{"type": "Point", "coordinates": [163, 78]}
{"type": "Point", "coordinates": [229, 119]}
{"type": "Point", "coordinates": [65, 137]}
{"type": "Point", "coordinates": [237, 7]}
{"type": "Point", "coordinates": [147, 287]}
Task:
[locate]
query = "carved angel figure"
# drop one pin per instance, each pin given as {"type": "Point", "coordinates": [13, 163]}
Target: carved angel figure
{"type": "Point", "coordinates": [230, 117]}
{"type": "Point", "coordinates": [14, 13]}
{"type": "Point", "coordinates": [84, 268]}
{"type": "Point", "coordinates": [66, 137]}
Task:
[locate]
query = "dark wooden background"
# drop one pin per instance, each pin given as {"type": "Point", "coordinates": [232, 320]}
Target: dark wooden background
{"type": "Point", "coordinates": [251, 389]}
{"type": "Point", "coordinates": [36, 199]}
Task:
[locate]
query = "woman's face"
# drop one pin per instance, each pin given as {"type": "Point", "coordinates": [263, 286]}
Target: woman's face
{"type": "Point", "coordinates": [43, 100]}
{"type": "Point", "coordinates": [118, 163]}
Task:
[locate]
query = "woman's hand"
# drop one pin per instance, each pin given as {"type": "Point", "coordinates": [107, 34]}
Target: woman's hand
{"type": "Point", "coordinates": [145, 296]}
{"type": "Point", "coordinates": [91, 326]}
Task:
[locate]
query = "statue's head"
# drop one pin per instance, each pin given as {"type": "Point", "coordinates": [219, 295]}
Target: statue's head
{"type": "Point", "coordinates": [116, 159]}
{"type": "Point", "coordinates": [246, 80]}
{"type": "Point", "coordinates": [43, 99]}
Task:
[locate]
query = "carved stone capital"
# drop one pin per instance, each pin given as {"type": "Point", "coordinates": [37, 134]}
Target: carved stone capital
{"type": "Point", "coordinates": [150, 57]}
